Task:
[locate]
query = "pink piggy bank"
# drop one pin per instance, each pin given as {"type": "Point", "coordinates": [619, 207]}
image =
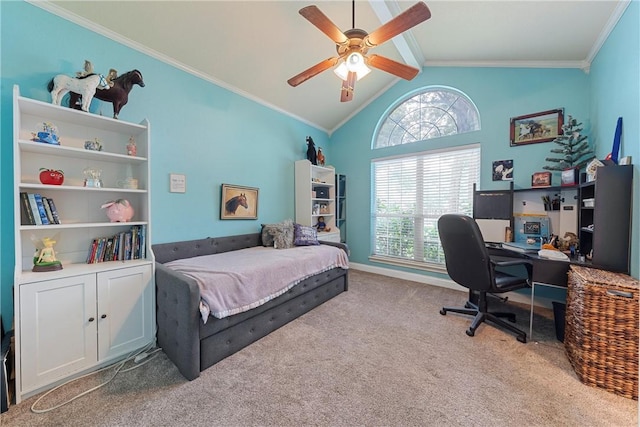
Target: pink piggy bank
{"type": "Point", "coordinates": [119, 210]}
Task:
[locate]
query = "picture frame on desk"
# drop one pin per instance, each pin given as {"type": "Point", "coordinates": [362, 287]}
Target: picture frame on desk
{"type": "Point", "coordinates": [533, 128]}
{"type": "Point", "coordinates": [569, 177]}
{"type": "Point", "coordinates": [541, 179]}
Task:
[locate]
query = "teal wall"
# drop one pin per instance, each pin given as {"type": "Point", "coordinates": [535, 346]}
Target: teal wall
{"type": "Point", "coordinates": [610, 90]}
{"type": "Point", "coordinates": [208, 133]}
{"type": "Point", "coordinates": [614, 84]}
{"type": "Point", "coordinates": [214, 136]}
{"type": "Point", "coordinates": [499, 94]}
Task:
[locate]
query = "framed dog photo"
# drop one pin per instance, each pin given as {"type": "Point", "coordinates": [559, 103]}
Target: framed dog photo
{"type": "Point", "coordinates": [238, 202]}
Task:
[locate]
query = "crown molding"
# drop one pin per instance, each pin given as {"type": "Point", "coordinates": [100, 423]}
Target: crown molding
{"type": "Point", "coordinates": [92, 26]}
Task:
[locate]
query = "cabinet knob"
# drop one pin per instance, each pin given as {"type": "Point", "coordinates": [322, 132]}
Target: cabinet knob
{"type": "Point", "coordinates": [104, 316]}
{"type": "Point", "coordinates": [91, 319]}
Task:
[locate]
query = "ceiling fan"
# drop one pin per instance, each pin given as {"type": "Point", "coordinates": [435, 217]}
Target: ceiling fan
{"type": "Point", "coordinates": [353, 45]}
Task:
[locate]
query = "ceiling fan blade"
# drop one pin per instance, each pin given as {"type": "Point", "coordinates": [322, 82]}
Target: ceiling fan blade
{"type": "Point", "coordinates": [313, 71]}
{"type": "Point", "coordinates": [348, 85]}
{"type": "Point", "coordinates": [324, 24]}
{"type": "Point", "coordinates": [393, 67]}
{"type": "Point", "coordinates": [411, 17]}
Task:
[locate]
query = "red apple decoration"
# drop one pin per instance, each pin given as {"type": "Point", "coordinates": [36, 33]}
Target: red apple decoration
{"type": "Point", "coordinates": [51, 176]}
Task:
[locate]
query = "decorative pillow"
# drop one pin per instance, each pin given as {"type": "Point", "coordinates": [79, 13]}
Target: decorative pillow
{"type": "Point", "coordinates": [304, 236]}
{"type": "Point", "coordinates": [282, 234]}
{"type": "Point", "coordinates": [267, 237]}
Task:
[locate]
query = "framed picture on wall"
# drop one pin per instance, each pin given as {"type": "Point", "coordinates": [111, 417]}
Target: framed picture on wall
{"type": "Point", "coordinates": [238, 202]}
{"type": "Point", "coordinates": [537, 127]}
{"type": "Point", "coordinates": [502, 170]}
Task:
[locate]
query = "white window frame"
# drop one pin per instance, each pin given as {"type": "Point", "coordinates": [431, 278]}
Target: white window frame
{"type": "Point", "coordinates": [463, 205]}
{"type": "Point", "coordinates": [423, 120]}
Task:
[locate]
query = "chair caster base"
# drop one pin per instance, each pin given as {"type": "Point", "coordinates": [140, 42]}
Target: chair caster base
{"type": "Point", "coordinates": [470, 332]}
{"type": "Point", "coordinates": [443, 311]}
{"type": "Point", "coordinates": [522, 339]}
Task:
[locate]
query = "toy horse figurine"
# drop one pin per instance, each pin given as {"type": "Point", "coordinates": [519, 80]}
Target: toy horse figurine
{"type": "Point", "coordinates": [320, 156]}
{"type": "Point", "coordinates": [118, 94]}
{"type": "Point", "coordinates": [85, 86]}
{"type": "Point", "coordinates": [232, 205]}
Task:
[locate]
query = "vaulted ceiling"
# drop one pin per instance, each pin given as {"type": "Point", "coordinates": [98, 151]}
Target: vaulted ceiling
{"type": "Point", "coordinates": [253, 47]}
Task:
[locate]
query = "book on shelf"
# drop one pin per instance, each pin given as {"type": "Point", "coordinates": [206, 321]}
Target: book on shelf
{"type": "Point", "coordinates": [54, 211]}
{"type": "Point", "coordinates": [92, 250]}
{"type": "Point", "coordinates": [41, 211]}
{"type": "Point", "coordinates": [47, 209]}
{"type": "Point", "coordinates": [34, 209]}
{"type": "Point", "coordinates": [123, 246]}
{"type": "Point", "coordinates": [26, 214]}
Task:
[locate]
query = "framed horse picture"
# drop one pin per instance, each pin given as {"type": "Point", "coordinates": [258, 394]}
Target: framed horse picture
{"type": "Point", "coordinates": [238, 202]}
{"type": "Point", "coordinates": [537, 127]}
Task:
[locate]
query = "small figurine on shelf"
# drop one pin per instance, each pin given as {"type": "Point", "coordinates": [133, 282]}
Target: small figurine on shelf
{"type": "Point", "coordinates": [320, 157]}
{"type": "Point", "coordinates": [94, 145]}
{"type": "Point", "coordinates": [321, 225]}
{"type": "Point", "coordinates": [119, 210]}
{"type": "Point", "coordinates": [132, 150]}
{"type": "Point", "coordinates": [45, 256]}
{"type": "Point", "coordinates": [48, 135]}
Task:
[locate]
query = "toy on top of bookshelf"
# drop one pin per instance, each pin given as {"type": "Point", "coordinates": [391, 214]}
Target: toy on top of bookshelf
{"type": "Point", "coordinates": [62, 84]}
{"type": "Point", "coordinates": [45, 256]}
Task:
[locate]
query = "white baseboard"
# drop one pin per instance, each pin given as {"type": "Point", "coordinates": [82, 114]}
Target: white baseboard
{"type": "Point", "coordinates": [443, 283]}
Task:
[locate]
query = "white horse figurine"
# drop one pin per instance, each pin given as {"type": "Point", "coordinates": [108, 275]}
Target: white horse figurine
{"type": "Point", "coordinates": [85, 86]}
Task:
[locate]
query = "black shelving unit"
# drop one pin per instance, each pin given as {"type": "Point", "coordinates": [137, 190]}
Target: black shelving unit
{"type": "Point", "coordinates": [605, 225]}
{"type": "Point", "coordinates": [341, 206]}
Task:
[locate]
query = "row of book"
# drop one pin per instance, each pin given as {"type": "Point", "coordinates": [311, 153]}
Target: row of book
{"type": "Point", "coordinates": [124, 246]}
{"type": "Point", "coordinates": [37, 210]}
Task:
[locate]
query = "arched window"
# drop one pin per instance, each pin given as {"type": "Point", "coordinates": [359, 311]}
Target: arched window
{"type": "Point", "coordinates": [430, 113]}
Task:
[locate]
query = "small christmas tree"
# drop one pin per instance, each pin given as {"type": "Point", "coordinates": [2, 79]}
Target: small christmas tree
{"type": "Point", "coordinates": [574, 148]}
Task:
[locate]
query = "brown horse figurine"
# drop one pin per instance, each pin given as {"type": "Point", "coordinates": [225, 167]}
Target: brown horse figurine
{"type": "Point", "coordinates": [118, 95]}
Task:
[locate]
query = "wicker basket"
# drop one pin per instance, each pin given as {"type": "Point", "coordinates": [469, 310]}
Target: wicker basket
{"type": "Point", "coordinates": [601, 329]}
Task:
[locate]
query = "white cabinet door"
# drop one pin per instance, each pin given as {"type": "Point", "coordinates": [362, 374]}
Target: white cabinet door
{"type": "Point", "coordinates": [57, 329]}
{"type": "Point", "coordinates": [125, 311]}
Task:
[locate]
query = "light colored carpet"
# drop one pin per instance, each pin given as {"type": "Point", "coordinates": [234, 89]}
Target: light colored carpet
{"type": "Point", "coordinates": [377, 355]}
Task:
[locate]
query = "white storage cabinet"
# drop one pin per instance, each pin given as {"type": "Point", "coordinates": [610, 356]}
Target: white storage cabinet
{"type": "Point", "coordinates": [74, 320]}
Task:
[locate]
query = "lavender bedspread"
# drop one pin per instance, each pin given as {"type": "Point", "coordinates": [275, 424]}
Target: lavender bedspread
{"type": "Point", "coordinates": [237, 281]}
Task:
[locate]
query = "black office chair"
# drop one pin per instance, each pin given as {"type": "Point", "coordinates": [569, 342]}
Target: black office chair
{"type": "Point", "coordinates": [468, 264]}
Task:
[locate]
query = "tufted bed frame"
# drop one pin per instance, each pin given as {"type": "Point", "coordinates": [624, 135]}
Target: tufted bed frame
{"type": "Point", "coordinates": [193, 345]}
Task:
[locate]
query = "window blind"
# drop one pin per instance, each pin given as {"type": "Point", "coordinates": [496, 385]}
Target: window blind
{"type": "Point", "coordinates": [412, 192]}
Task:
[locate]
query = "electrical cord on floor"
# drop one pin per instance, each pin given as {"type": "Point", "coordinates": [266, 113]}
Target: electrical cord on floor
{"type": "Point", "coordinates": [137, 356]}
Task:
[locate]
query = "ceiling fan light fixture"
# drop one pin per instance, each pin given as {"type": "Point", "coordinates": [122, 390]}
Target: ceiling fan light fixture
{"type": "Point", "coordinates": [354, 62]}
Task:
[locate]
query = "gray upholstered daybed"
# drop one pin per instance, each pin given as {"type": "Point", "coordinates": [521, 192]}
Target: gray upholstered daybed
{"type": "Point", "coordinates": [193, 345]}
